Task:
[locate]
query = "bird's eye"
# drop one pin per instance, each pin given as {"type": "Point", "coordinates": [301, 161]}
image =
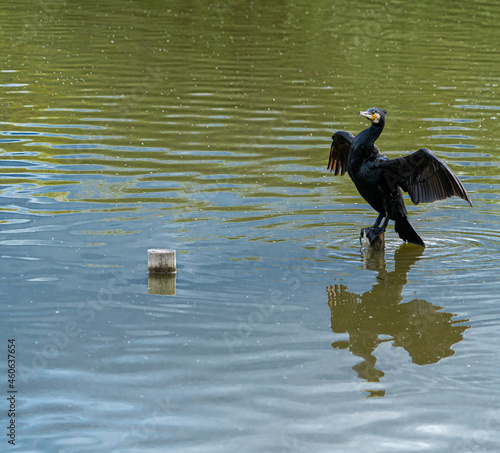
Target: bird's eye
{"type": "Point", "coordinates": [333, 136]}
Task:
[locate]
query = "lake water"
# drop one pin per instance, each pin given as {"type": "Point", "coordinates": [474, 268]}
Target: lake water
{"type": "Point", "coordinates": [205, 127]}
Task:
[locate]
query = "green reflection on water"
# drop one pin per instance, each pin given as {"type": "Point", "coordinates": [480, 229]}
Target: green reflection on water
{"type": "Point", "coordinates": [158, 90]}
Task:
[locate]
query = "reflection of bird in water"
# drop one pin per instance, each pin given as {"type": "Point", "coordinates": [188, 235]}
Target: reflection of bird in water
{"type": "Point", "coordinates": [379, 180]}
{"type": "Point", "coordinates": [418, 326]}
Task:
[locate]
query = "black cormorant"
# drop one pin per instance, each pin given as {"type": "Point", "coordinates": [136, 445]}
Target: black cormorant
{"type": "Point", "coordinates": [379, 180]}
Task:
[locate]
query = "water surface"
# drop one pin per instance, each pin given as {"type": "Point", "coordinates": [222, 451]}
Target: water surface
{"type": "Point", "coordinates": [205, 127]}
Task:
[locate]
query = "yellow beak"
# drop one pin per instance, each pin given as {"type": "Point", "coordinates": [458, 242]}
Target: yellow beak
{"type": "Point", "coordinates": [369, 115]}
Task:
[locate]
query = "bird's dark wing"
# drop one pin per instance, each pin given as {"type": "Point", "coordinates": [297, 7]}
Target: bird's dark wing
{"type": "Point", "coordinates": [424, 176]}
{"type": "Point", "coordinates": [339, 152]}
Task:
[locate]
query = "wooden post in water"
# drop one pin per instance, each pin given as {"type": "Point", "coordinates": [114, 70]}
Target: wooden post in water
{"type": "Point", "coordinates": [374, 256]}
{"type": "Point", "coordinates": [161, 261]}
{"type": "Point", "coordinates": [162, 269]}
{"type": "Point", "coordinates": [379, 243]}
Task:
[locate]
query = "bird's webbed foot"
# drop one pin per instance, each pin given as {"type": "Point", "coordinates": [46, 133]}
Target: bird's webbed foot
{"type": "Point", "coordinates": [372, 234]}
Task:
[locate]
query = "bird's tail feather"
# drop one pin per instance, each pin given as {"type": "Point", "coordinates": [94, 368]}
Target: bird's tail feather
{"type": "Point", "coordinates": [407, 232]}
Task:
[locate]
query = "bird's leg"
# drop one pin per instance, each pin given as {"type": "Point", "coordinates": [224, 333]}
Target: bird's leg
{"type": "Point", "coordinates": [377, 222]}
{"type": "Point", "coordinates": [375, 225]}
{"type": "Point", "coordinates": [373, 232]}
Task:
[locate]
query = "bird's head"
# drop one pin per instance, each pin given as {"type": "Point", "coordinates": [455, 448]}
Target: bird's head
{"type": "Point", "coordinates": [375, 115]}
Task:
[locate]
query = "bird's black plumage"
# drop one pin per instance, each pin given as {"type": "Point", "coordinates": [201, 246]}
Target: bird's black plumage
{"type": "Point", "coordinates": [379, 180]}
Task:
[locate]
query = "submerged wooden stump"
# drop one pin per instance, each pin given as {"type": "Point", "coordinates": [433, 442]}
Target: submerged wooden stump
{"type": "Point", "coordinates": [379, 243]}
{"type": "Point", "coordinates": [374, 256]}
